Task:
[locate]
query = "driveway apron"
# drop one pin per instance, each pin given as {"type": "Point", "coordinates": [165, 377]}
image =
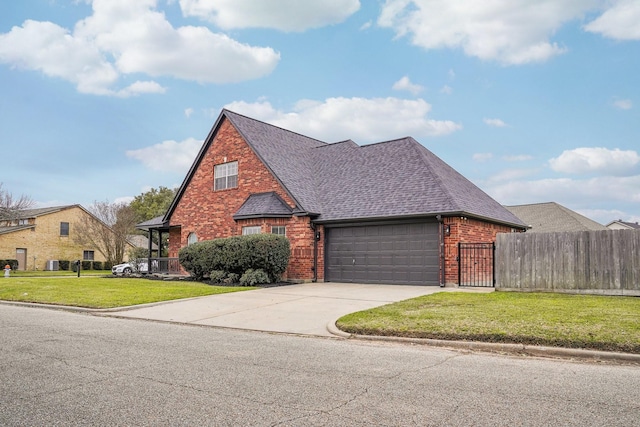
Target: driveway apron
{"type": "Point", "coordinates": [298, 309]}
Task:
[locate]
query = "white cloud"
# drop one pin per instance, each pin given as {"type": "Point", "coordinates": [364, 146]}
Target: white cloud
{"type": "Point", "coordinates": [623, 104]}
{"type": "Point", "coordinates": [446, 89]}
{"type": "Point", "coordinates": [125, 37]}
{"type": "Point", "coordinates": [507, 31]}
{"type": "Point", "coordinates": [360, 119]}
{"type": "Point", "coordinates": [139, 88]}
{"type": "Point", "coordinates": [170, 156]}
{"type": "Point", "coordinates": [601, 160]}
{"type": "Point", "coordinates": [405, 84]}
{"type": "Point", "coordinates": [188, 112]}
{"type": "Point", "coordinates": [620, 22]}
{"type": "Point", "coordinates": [288, 15]}
{"type": "Point", "coordinates": [496, 123]}
{"type": "Point", "coordinates": [594, 192]}
{"type": "Point", "coordinates": [365, 26]}
{"type": "Point", "coordinates": [482, 157]}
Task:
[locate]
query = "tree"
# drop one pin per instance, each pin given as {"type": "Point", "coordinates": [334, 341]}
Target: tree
{"type": "Point", "coordinates": [153, 203]}
{"type": "Point", "coordinates": [11, 206]}
{"type": "Point", "coordinates": [107, 229]}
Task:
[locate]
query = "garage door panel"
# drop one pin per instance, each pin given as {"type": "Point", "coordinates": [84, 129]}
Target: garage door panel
{"type": "Point", "coordinates": [391, 253]}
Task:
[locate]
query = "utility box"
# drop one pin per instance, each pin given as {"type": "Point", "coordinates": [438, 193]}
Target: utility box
{"type": "Point", "coordinates": [53, 265]}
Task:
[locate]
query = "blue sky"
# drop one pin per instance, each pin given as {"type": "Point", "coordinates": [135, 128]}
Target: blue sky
{"type": "Point", "coordinates": [533, 101]}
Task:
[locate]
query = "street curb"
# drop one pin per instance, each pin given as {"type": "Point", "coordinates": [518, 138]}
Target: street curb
{"type": "Point", "coordinates": [520, 349]}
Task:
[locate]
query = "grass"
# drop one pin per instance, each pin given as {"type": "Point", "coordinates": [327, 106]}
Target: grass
{"type": "Point", "coordinates": [560, 320]}
{"type": "Point", "coordinates": [102, 292]}
{"type": "Point", "coordinates": [39, 273]}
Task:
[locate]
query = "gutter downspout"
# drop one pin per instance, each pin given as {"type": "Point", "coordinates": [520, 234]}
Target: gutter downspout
{"type": "Point", "coordinates": [315, 251]}
{"type": "Point", "coordinates": [441, 250]}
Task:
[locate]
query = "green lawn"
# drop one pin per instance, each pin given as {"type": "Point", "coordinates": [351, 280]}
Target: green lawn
{"type": "Point", "coordinates": [102, 292]}
{"type": "Point", "coordinates": [561, 320]}
{"type": "Point", "coordinates": [39, 273]}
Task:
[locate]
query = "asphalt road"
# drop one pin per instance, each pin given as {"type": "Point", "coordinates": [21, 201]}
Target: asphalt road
{"type": "Point", "coordinates": [60, 368]}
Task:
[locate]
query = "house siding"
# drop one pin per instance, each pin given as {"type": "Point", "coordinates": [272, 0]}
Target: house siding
{"type": "Point", "coordinates": [466, 230]}
{"type": "Point", "coordinates": [209, 213]}
{"type": "Point", "coordinates": [44, 242]}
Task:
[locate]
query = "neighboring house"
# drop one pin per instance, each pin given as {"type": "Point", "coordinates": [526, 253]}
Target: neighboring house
{"type": "Point", "coordinates": [623, 225]}
{"type": "Point", "coordinates": [390, 212]}
{"type": "Point", "coordinates": [38, 236]}
{"type": "Point", "coordinates": [551, 217]}
{"type": "Point", "coordinates": [140, 241]}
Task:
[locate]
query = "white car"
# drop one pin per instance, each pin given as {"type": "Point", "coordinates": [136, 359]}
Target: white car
{"type": "Point", "coordinates": [128, 268]}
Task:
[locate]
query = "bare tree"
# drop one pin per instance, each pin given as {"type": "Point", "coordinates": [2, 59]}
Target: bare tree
{"type": "Point", "coordinates": [108, 229]}
{"type": "Point", "coordinates": [11, 206]}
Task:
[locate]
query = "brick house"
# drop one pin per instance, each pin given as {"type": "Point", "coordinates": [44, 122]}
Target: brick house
{"type": "Point", "coordinates": [36, 236]}
{"type": "Point", "coordinates": [390, 212]}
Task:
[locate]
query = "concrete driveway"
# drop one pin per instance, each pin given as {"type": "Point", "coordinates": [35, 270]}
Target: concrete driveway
{"type": "Point", "coordinates": [298, 309]}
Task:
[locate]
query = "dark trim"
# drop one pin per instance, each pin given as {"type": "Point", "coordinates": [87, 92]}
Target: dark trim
{"type": "Point", "coordinates": [412, 218]}
{"type": "Point", "coordinates": [377, 221]}
{"type": "Point", "coordinates": [262, 215]}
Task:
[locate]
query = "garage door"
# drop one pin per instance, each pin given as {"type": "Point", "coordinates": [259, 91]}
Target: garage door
{"type": "Point", "coordinates": [391, 253]}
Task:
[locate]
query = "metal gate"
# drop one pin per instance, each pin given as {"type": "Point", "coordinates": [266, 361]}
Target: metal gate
{"type": "Point", "coordinates": [476, 264]}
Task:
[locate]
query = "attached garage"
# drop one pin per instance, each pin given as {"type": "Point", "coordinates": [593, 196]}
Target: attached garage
{"type": "Point", "coordinates": [390, 253]}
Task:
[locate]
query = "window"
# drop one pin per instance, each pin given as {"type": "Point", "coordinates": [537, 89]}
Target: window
{"type": "Point", "coordinates": [225, 176]}
{"type": "Point", "coordinates": [88, 255]}
{"type": "Point", "coordinates": [254, 229]}
{"type": "Point", "coordinates": [23, 222]}
{"type": "Point", "coordinates": [279, 229]}
{"type": "Point", "coordinates": [64, 228]}
{"type": "Point", "coordinates": [192, 238]}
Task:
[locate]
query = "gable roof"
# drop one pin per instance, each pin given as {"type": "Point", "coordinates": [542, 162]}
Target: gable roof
{"type": "Point", "coordinates": [552, 217]}
{"type": "Point", "coordinates": [625, 224]}
{"type": "Point", "coordinates": [34, 213]}
{"type": "Point", "coordinates": [344, 181]}
{"type": "Point", "coordinates": [263, 205]}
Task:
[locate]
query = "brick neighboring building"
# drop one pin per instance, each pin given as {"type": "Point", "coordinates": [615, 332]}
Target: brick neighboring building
{"type": "Point", "coordinates": [390, 212]}
{"type": "Point", "coordinates": [37, 236]}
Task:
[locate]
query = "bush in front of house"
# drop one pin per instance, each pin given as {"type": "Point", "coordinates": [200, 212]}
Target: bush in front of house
{"type": "Point", "coordinates": [64, 265]}
{"type": "Point", "coordinates": [217, 276]}
{"type": "Point", "coordinates": [253, 277]}
{"type": "Point", "coordinates": [86, 265]}
{"type": "Point", "coordinates": [236, 255]}
{"type": "Point", "coordinates": [97, 265]}
{"type": "Point", "coordinates": [13, 263]}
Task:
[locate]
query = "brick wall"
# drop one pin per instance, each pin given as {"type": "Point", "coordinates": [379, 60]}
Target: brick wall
{"type": "Point", "coordinates": [209, 213]}
{"type": "Point", "coordinates": [466, 230]}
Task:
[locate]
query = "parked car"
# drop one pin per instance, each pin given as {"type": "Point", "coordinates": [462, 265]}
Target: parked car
{"type": "Point", "coordinates": [130, 267]}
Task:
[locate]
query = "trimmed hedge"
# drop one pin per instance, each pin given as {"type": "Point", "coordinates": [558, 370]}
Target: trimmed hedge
{"type": "Point", "coordinates": [237, 254]}
{"type": "Point", "coordinates": [254, 277]}
{"type": "Point", "coordinates": [64, 265]}
{"type": "Point", "coordinates": [13, 263]}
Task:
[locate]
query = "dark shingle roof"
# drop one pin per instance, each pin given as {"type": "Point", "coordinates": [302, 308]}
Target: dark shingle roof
{"type": "Point", "coordinates": [32, 213]}
{"type": "Point", "coordinates": [552, 217]}
{"type": "Point", "coordinates": [263, 205]}
{"type": "Point", "coordinates": [344, 181]}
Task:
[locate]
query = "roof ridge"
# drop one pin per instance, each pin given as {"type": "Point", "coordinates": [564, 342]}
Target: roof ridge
{"type": "Point", "coordinates": [225, 110]}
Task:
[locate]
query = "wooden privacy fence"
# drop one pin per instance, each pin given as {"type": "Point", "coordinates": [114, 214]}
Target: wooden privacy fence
{"type": "Point", "coordinates": [599, 262]}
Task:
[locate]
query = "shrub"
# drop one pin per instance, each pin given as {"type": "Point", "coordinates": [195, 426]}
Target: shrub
{"type": "Point", "coordinates": [64, 265]}
{"type": "Point", "coordinates": [107, 265]}
{"type": "Point", "coordinates": [13, 263]}
{"type": "Point", "coordinates": [231, 278]}
{"type": "Point", "coordinates": [237, 254]}
{"type": "Point", "coordinates": [86, 265]}
{"type": "Point", "coordinates": [97, 265]}
{"type": "Point", "coordinates": [254, 277]}
{"type": "Point", "coordinates": [217, 276]}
